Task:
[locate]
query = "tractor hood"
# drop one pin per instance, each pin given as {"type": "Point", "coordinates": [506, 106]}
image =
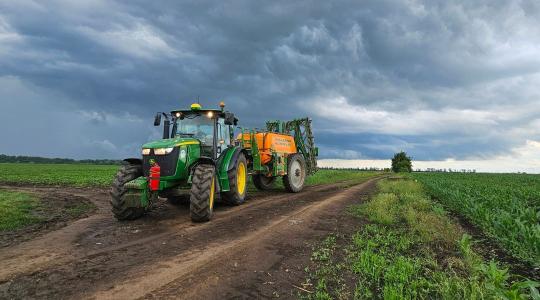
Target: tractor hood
{"type": "Point", "coordinates": [173, 142]}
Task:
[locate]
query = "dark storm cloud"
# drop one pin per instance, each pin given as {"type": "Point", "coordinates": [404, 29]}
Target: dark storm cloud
{"type": "Point", "coordinates": [435, 78]}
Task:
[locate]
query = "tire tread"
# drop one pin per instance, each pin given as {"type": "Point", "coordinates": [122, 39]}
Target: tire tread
{"type": "Point", "coordinates": [232, 197]}
{"type": "Point", "coordinates": [199, 207]}
{"type": "Point", "coordinates": [120, 208]}
{"type": "Point", "coordinates": [286, 181]}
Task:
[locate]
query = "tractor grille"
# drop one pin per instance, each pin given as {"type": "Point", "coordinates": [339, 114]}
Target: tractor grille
{"type": "Point", "coordinates": [167, 163]}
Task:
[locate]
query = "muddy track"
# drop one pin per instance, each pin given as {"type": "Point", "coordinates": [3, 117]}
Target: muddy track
{"type": "Point", "coordinates": [165, 255]}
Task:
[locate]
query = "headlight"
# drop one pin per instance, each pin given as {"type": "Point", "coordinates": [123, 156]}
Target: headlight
{"type": "Point", "coordinates": [145, 151]}
{"type": "Point", "coordinates": [163, 151]}
{"type": "Point", "coordinates": [183, 154]}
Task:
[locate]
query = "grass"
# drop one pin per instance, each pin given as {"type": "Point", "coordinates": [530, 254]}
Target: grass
{"type": "Point", "coordinates": [505, 206]}
{"type": "Point", "coordinates": [77, 175]}
{"type": "Point", "coordinates": [81, 175]}
{"type": "Point", "coordinates": [16, 210]}
{"type": "Point", "coordinates": [409, 250]}
{"type": "Point", "coordinates": [21, 209]}
{"type": "Point", "coordinates": [325, 278]}
{"type": "Point", "coordinates": [332, 176]}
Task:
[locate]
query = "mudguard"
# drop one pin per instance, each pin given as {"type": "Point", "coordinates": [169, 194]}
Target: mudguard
{"type": "Point", "coordinates": [232, 161]}
{"type": "Point", "coordinates": [225, 163]}
{"type": "Point", "coordinates": [200, 160]}
{"type": "Point", "coordinates": [133, 161]}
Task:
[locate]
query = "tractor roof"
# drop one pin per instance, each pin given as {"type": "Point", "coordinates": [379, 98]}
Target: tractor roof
{"type": "Point", "coordinates": [188, 111]}
{"type": "Point", "coordinates": [196, 107]}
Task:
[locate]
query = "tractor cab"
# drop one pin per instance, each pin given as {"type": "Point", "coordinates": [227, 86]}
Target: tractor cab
{"type": "Point", "coordinates": [213, 128]}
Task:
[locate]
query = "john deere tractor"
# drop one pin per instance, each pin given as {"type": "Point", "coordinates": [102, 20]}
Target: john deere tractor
{"type": "Point", "coordinates": [201, 161]}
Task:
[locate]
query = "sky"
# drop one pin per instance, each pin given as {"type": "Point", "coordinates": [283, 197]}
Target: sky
{"type": "Point", "coordinates": [523, 159]}
{"type": "Point", "coordinates": [441, 80]}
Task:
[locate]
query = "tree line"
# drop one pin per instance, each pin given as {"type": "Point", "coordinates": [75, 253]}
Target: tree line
{"type": "Point", "coordinates": [356, 169]}
{"type": "Point", "coordinates": [44, 160]}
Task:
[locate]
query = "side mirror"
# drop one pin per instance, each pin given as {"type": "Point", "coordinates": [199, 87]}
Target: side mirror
{"type": "Point", "coordinates": [229, 119]}
{"type": "Point", "coordinates": [157, 120]}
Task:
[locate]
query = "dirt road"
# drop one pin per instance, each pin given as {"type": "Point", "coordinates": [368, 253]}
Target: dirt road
{"type": "Point", "coordinates": [256, 250]}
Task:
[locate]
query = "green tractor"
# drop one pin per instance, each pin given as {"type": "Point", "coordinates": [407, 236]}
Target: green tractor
{"type": "Point", "coordinates": [200, 161]}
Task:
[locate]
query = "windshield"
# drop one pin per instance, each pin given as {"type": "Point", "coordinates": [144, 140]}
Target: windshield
{"type": "Point", "coordinates": [198, 126]}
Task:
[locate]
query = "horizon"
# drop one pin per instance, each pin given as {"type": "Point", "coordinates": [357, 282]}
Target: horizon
{"type": "Point", "coordinates": [450, 165]}
{"type": "Point", "coordinates": [429, 166]}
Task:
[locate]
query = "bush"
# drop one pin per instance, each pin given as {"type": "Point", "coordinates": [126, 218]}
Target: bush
{"type": "Point", "coordinates": [401, 163]}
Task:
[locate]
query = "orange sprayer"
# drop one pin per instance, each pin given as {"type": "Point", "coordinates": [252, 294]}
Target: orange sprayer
{"type": "Point", "coordinates": [270, 141]}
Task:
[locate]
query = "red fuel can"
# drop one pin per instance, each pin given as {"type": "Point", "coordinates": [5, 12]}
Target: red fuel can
{"type": "Point", "coordinates": [155, 174]}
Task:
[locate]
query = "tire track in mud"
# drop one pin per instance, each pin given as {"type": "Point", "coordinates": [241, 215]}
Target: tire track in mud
{"type": "Point", "coordinates": [270, 264]}
{"type": "Point", "coordinates": [65, 262]}
{"type": "Point", "coordinates": [210, 272]}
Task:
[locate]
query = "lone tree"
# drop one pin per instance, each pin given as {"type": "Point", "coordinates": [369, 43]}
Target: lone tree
{"type": "Point", "coordinates": [401, 162]}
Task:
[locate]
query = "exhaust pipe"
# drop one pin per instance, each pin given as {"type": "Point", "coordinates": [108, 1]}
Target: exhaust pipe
{"type": "Point", "coordinates": [166, 128]}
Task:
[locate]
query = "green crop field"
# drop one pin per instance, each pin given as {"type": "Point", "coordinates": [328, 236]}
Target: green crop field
{"type": "Point", "coordinates": [407, 247]}
{"type": "Point", "coordinates": [80, 175]}
{"type": "Point", "coordinates": [57, 174]}
{"type": "Point", "coordinates": [505, 206]}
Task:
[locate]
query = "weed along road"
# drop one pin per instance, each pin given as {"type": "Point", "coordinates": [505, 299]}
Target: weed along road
{"type": "Point", "coordinates": [258, 249]}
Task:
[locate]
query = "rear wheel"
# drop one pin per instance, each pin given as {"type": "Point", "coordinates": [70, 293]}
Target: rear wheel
{"type": "Point", "coordinates": [296, 173]}
{"type": "Point", "coordinates": [123, 206]}
{"type": "Point", "coordinates": [203, 190]}
{"type": "Point", "coordinates": [262, 182]}
{"type": "Point", "coordinates": [237, 182]}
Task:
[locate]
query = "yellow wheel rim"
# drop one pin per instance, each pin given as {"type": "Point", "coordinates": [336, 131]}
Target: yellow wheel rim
{"type": "Point", "coordinates": [241, 178]}
{"type": "Point", "coordinates": [212, 192]}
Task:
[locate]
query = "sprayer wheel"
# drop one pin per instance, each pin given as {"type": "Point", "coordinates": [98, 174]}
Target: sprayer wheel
{"type": "Point", "coordinates": [262, 182]}
{"type": "Point", "coordinates": [296, 173]}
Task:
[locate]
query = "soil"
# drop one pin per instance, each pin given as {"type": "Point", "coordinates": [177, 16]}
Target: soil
{"type": "Point", "coordinates": [56, 210]}
{"type": "Point", "coordinates": [255, 250]}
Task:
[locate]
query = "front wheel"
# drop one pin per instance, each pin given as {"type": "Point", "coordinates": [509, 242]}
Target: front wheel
{"type": "Point", "coordinates": [124, 204]}
{"type": "Point", "coordinates": [203, 190]}
{"type": "Point", "coordinates": [296, 173]}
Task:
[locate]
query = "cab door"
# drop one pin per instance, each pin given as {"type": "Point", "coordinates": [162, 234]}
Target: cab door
{"type": "Point", "coordinates": [223, 136]}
